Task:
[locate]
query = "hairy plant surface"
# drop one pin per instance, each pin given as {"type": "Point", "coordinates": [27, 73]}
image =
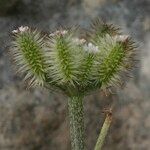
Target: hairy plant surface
{"type": "Point", "coordinates": [75, 66]}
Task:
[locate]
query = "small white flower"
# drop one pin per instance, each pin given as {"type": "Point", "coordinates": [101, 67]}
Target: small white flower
{"type": "Point", "coordinates": [82, 41]}
{"type": "Point", "coordinates": [51, 34]}
{"type": "Point", "coordinates": [90, 45]}
{"type": "Point", "coordinates": [20, 29]}
{"type": "Point", "coordinates": [79, 41]}
{"type": "Point", "coordinates": [23, 29]}
{"type": "Point", "coordinates": [64, 32]}
{"type": "Point", "coordinates": [121, 38]}
{"type": "Point", "coordinates": [15, 31]}
{"type": "Point", "coordinates": [91, 48]}
{"type": "Point", "coordinates": [58, 32]}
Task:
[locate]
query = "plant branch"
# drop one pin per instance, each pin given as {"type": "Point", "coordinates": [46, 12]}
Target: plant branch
{"type": "Point", "coordinates": [104, 131]}
{"type": "Point", "coordinates": [75, 105]}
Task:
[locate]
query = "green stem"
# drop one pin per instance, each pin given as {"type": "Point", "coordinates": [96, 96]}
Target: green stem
{"type": "Point", "coordinates": [103, 132]}
{"type": "Point", "coordinates": [75, 104]}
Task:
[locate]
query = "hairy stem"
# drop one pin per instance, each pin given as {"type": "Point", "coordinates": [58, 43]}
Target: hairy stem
{"type": "Point", "coordinates": [103, 132]}
{"type": "Point", "coordinates": [75, 104]}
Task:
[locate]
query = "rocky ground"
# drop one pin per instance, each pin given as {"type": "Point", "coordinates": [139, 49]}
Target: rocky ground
{"type": "Point", "coordinates": [36, 119]}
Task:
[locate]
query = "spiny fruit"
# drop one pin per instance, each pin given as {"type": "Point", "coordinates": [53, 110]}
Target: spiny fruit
{"type": "Point", "coordinates": [64, 61]}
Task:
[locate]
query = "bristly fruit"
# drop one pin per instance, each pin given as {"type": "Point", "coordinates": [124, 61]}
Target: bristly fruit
{"type": "Point", "coordinates": [113, 60]}
{"type": "Point", "coordinates": [99, 29]}
{"type": "Point", "coordinates": [28, 54]}
{"type": "Point", "coordinates": [63, 60]}
{"type": "Point", "coordinates": [61, 57]}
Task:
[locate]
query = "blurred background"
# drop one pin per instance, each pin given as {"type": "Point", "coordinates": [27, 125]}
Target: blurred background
{"type": "Point", "coordinates": [35, 119]}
